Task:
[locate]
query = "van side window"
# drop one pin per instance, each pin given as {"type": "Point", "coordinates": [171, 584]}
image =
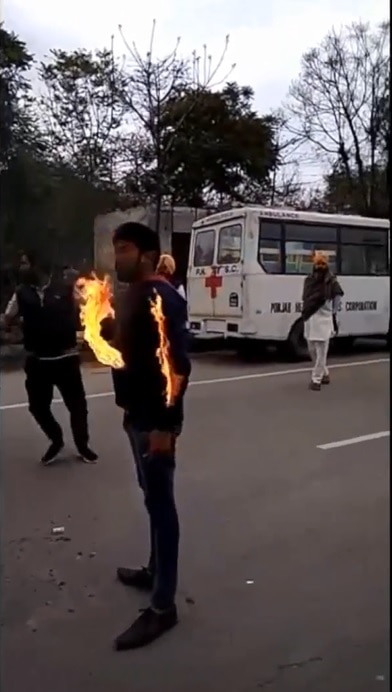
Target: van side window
{"type": "Point", "coordinates": [204, 248]}
{"type": "Point", "coordinates": [299, 255]}
{"type": "Point", "coordinates": [301, 242]}
{"type": "Point", "coordinates": [364, 252]}
{"type": "Point", "coordinates": [229, 246]}
{"type": "Point", "coordinates": [270, 256]}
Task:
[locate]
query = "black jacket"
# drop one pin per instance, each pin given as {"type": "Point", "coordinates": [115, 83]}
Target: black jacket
{"type": "Point", "coordinates": [49, 320]}
{"type": "Point", "coordinates": [140, 387]}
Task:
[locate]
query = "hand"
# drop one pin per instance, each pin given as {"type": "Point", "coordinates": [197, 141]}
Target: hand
{"type": "Point", "coordinates": [161, 442]}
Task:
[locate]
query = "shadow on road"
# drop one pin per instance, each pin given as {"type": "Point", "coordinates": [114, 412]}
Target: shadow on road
{"type": "Point", "coordinates": [216, 351]}
{"type": "Point", "coordinates": [270, 354]}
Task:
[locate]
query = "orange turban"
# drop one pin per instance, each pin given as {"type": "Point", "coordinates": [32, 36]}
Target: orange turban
{"type": "Point", "coordinates": [166, 265]}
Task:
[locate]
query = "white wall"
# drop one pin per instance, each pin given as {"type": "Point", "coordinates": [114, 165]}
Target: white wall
{"type": "Point", "coordinates": [176, 220]}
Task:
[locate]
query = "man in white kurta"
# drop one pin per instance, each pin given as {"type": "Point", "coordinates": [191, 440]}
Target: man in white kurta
{"type": "Point", "coordinates": [319, 330]}
{"type": "Point", "coordinates": [321, 325]}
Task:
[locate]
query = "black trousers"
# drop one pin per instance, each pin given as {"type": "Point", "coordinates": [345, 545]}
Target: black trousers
{"type": "Point", "coordinates": [65, 374]}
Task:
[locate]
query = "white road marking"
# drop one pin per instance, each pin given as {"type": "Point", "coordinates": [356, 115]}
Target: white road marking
{"type": "Point", "coordinates": [355, 440]}
{"type": "Point", "coordinates": [222, 380]}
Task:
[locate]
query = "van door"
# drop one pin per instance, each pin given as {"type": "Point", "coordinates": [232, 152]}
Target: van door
{"type": "Point", "coordinates": [201, 261]}
{"type": "Point", "coordinates": [215, 272]}
{"type": "Point", "coordinates": [226, 276]}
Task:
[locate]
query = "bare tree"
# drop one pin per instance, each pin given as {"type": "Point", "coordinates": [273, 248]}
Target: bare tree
{"type": "Point", "coordinates": [149, 85]}
{"type": "Point", "coordinates": [285, 186]}
{"type": "Point", "coordinates": [338, 106]}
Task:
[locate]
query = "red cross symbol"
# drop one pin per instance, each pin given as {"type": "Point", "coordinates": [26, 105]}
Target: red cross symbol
{"type": "Point", "coordinates": [213, 282]}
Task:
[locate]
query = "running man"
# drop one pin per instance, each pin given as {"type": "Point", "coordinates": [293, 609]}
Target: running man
{"type": "Point", "coordinates": [48, 315]}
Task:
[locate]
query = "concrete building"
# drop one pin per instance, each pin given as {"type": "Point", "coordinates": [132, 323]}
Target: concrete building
{"type": "Point", "coordinates": [175, 228]}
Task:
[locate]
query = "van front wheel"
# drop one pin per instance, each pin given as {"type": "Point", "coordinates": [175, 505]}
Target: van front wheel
{"type": "Point", "coordinates": [296, 345]}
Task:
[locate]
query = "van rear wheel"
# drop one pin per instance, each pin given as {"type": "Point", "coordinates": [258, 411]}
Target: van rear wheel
{"type": "Point", "coordinates": [296, 346]}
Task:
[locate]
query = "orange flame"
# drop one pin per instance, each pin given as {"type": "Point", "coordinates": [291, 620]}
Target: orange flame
{"type": "Point", "coordinates": [95, 305]}
{"type": "Point", "coordinates": [173, 381]}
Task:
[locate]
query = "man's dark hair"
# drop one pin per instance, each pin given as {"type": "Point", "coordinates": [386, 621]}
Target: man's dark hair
{"type": "Point", "coordinates": [42, 265]}
{"type": "Point", "coordinates": [145, 239]}
{"type": "Point", "coordinates": [30, 256]}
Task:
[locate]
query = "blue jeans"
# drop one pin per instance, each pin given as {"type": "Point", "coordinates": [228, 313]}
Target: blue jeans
{"type": "Point", "coordinates": [155, 474]}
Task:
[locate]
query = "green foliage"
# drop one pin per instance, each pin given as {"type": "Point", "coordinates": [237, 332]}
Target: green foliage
{"type": "Point", "coordinates": [15, 116]}
{"type": "Point", "coordinates": [343, 194]}
{"type": "Point", "coordinates": [56, 153]}
{"type": "Point", "coordinates": [82, 113]}
{"type": "Point", "coordinates": [21, 146]}
{"type": "Point", "coordinates": [219, 145]}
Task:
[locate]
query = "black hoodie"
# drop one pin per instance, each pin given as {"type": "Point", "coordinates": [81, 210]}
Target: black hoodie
{"type": "Point", "coordinates": [140, 386]}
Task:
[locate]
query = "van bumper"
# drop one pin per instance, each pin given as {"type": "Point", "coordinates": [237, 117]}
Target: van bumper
{"type": "Point", "coordinates": [209, 328]}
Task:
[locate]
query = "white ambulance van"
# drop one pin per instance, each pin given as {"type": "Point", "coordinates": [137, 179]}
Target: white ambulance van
{"type": "Point", "coordinates": [247, 268]}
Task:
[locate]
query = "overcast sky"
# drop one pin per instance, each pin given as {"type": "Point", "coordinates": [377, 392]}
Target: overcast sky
{"type": "Point", "coordinates": [266, 39]}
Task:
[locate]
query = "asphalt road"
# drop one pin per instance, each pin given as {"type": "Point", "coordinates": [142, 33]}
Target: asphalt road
{"type": "Point", "coordinates": [284, 582]}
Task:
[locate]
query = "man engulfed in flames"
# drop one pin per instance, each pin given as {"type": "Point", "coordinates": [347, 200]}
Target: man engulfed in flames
{"type": "Point", "coordinates": [149, 340]}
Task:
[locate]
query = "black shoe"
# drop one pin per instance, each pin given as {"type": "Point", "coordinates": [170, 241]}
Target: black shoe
{"type": "Point", "coordinates": [52, 452]}
{"type": "Point", "coordinates": [138, 578]}
{"type": "Point", "coordinates": [326, 379]}
{"type": "Point", "coordinates": [315, 386]}
{"type": "Point", "coordinates": [149, 626]}
{"type": "Point", "coordinates": [87, 455]}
